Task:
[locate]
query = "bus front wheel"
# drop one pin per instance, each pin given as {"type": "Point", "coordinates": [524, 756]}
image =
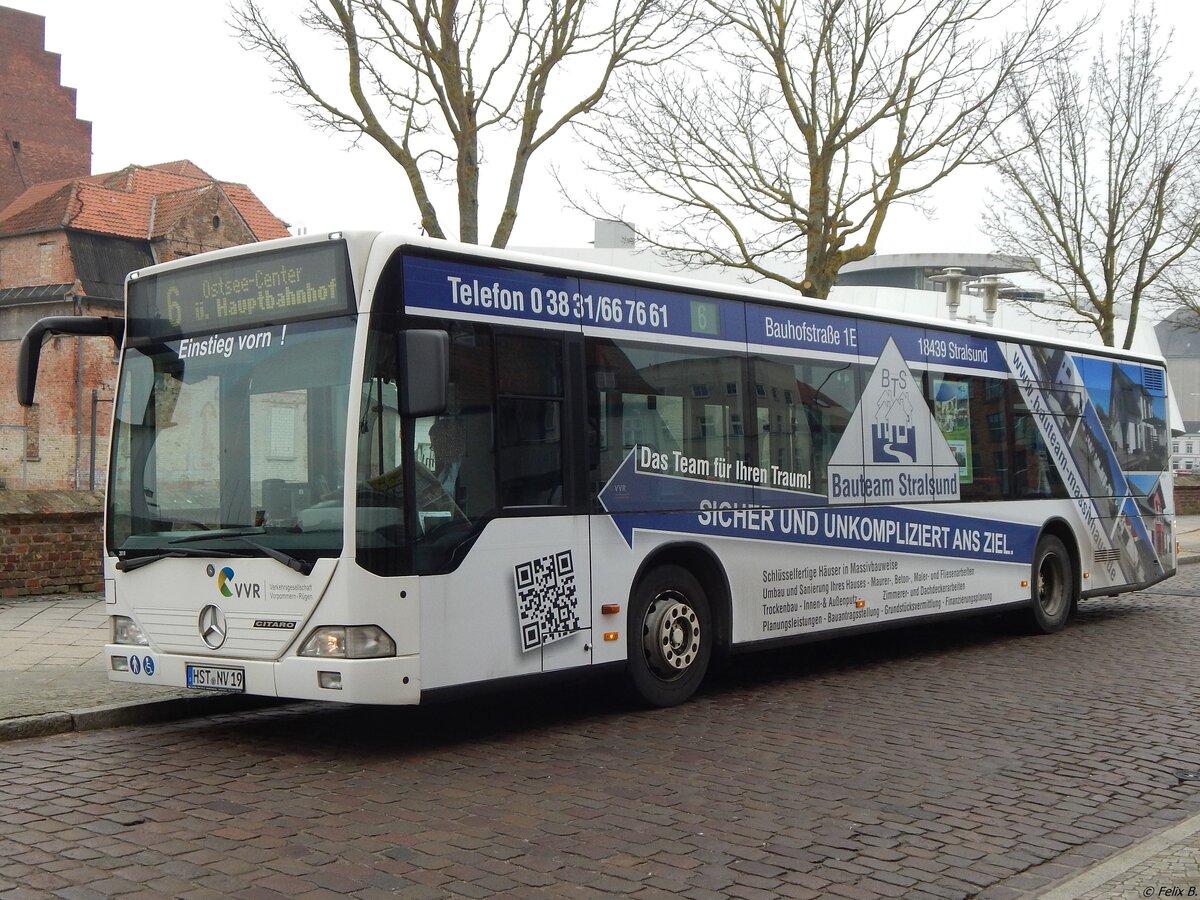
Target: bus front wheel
{"type": "Point", "coordinates": [1053, 586]}
{"type": "Point", "coordinates": [670, 637]}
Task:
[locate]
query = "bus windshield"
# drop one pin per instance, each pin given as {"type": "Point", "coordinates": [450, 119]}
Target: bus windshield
{"type": "Point", "coordinates": [225, 435]}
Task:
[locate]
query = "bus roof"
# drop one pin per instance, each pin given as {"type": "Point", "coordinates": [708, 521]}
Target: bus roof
{"type": "Point", "coordinates": [541, 261]}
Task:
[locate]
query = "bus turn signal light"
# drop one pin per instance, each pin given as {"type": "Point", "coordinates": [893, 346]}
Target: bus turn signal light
{"type": "Point", "coordinates": [610, 609]}
{"type": "Point", "coordinates": [611, 635]}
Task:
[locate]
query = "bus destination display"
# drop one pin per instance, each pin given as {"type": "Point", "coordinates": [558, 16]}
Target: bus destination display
{"type": "Point", "coordinates": [301, 282]}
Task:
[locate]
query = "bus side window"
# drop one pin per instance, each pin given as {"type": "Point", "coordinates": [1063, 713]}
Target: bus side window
{"type": "Point", "coordinates": [971, 413]}
{"type": "Point", "coordinates": [1034, 472]}
{"type": "Point", "coordinates": [686, 406]}
{"type": "Point", "coordinates": [530, 442]}
{"type": "Point", "coordinates": [529, 420]}
{"type": "Point", "coordinates": [803, 408]}
{"type": "Point", "coordinates": [472, 387]}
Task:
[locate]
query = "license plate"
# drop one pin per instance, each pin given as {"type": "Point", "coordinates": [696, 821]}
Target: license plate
{"type": "Point", "coordinates": [216, 678]}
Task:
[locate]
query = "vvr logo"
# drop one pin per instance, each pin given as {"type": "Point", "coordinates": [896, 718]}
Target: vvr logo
{"type": "Point", "coordinates": [229, 588]}
{"type": "Point", "coordinates": [893, 443]}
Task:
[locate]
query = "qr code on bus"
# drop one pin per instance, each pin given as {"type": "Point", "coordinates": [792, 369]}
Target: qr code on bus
{"type": "Point", "coordinates": [547, 601]}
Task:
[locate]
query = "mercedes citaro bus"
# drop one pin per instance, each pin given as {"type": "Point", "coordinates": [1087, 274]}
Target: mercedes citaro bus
{"type": "Point", "coordinates": [364, 467]}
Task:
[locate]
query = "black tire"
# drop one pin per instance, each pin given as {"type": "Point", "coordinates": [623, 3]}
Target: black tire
{"type": "Point", "coordinates": [1053, 586]}
{"type": "Point", "coordinates": [670, 637]}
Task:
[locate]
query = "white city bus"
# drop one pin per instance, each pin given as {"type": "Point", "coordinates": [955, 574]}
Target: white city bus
{"type": "Point", "coordinates": [367, 468]}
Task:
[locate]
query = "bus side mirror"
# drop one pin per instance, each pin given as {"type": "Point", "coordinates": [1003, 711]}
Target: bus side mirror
{"type": "Point", "coordinates": [30, 353]}
{"type": "Point", "coordinates": [425, 375]}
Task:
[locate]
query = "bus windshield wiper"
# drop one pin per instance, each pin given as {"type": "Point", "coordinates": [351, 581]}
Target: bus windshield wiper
{"type": "Point", "coordinates": [128, 565]}
{"type": "Point", "coordinates": [303, 566]}
{"type": "Point", "coordinates": [215, 533]}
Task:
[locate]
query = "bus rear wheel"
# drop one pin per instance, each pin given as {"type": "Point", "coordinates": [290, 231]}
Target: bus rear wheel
{"type": "Point", "coordinates": [670, 637]}
{"type": "Point", "coordinates": [1053, 586]}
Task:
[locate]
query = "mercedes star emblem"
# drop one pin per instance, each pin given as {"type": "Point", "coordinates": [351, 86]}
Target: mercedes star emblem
{"type": "Point", "coordinates": [212, 626]}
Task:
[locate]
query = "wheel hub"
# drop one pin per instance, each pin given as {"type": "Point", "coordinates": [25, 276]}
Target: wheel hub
{"type": "Point", "coordinates": [671, 637]}
{"type": "Point", "coordinates": [1049, 586]}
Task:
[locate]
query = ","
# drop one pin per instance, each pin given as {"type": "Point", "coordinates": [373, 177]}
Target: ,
{"type": "Point", "coordinates": [369, 468]}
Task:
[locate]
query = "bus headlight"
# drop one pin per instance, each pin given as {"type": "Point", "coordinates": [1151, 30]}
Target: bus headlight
{"type": "Point", "coordinates": [125, 631]}
{"type": "Point", "coordinates": [348, 642]}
